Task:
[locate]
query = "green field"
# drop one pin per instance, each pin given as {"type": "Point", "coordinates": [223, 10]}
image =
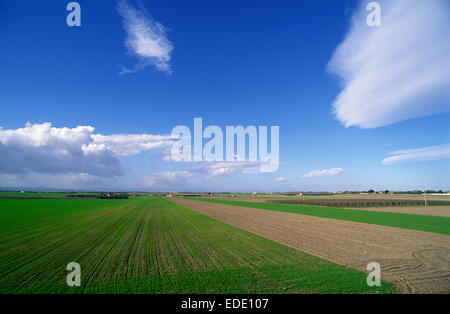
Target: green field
{"type": "Point", "coordinates": [338, 196]}
{"type": "Point", "coordinates": [407, 221]}
{"type": "Point", "coordinates": [31, 194]}
{"type": "Point", "coordinates": [150, 245]}
{"type": "Point", "coordinates": [15, 194]}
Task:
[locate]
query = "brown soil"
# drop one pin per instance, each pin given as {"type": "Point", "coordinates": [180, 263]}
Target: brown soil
{"type": "Point", "coordinates": [416, 261]}
{"type": "Point", "coordinates": [434, 210]}
{"type": "Point", "coordinates": [443, 211]}
{"type": "Point", "coordinates": [359, 202]}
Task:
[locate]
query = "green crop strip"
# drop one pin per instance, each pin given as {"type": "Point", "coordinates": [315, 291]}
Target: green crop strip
{"type": "Point", "coordinates": [407, 221]}
{"type": "Point", "coordinates": [150, 245]}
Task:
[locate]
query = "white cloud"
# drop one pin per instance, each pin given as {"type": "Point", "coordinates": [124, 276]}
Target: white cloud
{"type": "Point", "coordinates": [75, 181]}
{"type": "Point", "coordinates": [42, 148]}
{"type": "Point", "coordinates": [146, 38]}
{"type": "Point", "coordinates": [42, 155]}
{"type": "Point", "coordinates": [440, 152]}
{"type": "Point", "coordinates": [398, 71]}
{"type": "Point", "coordinates": [221, 168]}
{"type": "Point", "coordinates": [280, 179]}
{"type": "Point", "coordinates": [323, 173]}
{"type": "Point", "coordinates": [207, 169]}
{"type": "Point", "coordinates": [129, 144]}
{"type": "Point", "coordinates": [168, 179]}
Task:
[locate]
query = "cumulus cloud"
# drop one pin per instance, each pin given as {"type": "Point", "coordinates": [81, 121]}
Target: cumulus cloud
{"type": "Point", "coordinates": [440, 152]}
{"type": "Point", "coordinates": [41, 154]}
{"type": "Point", "coordinates": [280, 179]}
{"type": "Point", "coordinates": [398, 71]}
{"type": "Point", "coordinates": [42, 148]}
{"type": "Point", "coordinates": [146, 38]}
{"type": "Point", "coordinates": [323, 173]}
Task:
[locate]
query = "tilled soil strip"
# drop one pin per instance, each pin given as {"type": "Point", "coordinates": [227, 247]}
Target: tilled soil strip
{"type": "Point", "coordinates": [416, 261]}
{"type": "Point", "coordinates": [435, 210]}
{"type": "Point", "coordinates": [443, 211]}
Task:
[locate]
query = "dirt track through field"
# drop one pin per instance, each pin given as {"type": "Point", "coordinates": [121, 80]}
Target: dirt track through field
{"type": "Point", "coordinates": [416, 261]}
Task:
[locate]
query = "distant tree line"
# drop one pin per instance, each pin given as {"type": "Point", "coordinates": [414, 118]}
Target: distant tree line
{"type": "Point", "coordinates": [101, 195]}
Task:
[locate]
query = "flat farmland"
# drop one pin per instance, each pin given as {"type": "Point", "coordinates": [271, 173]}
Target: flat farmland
{"type": "Point", "coordinates": [4, 194]}
{"type": "Point", "coordinates": [393, 219]}
{"type": "Point", "coordinates": [342, 200]}
{"type": "Point", "coordinates": [375, 202]}
{"type": "Point", "coordinates": [430, 210]}
{"type": "Point", "coordinates": [442, 211]}
{"type": "Point", "coordinates": [416, 261]}
{"type": "Point", "coordinates": [337, 196]}
{"type": "Point", "coordinates": [150, 245]}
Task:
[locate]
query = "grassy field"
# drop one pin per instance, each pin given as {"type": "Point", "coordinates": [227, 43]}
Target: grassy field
{"type": "Point", "coordinates": [408, 221]}
{"type": "Point", "coordinates": [374, 196]}
{"type": "Point", "coordinates": [7, 194]}
{"type": "Point", "coordinates": [150, 245]}
{"type": "Point", "coordinates": [31, 194]}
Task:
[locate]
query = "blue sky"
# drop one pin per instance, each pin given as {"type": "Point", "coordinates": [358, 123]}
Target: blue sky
{"type": "Point", "coordinates": [345, 95]}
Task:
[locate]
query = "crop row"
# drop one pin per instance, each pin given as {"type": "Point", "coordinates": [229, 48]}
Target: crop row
{"type": "Point", "coordinates": [150, 245]}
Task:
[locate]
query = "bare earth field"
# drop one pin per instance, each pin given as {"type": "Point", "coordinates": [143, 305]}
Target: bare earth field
{"type": "Point", "coordinates": [376, 196]}
{"type": "Point", "coordinates": [412, 197]}
{"type": "Point", "coordinates": [435, 210]}
{"type": "Point", "coordinates": [416, 261]}
{"type": "Point", "coordinates": [443, 211]}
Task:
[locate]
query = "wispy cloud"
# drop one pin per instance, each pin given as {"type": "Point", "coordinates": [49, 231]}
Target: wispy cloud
{"type": "Point", "coordinates": [202, 170]}
{"type": "Point", "coordinates": [323, 173]}
{"type": "Point", "coordinates": [398, 71]}
{"type": "Point", "coordinates": [225, 168]}
{"type": "Point", "coordinates": [168, 179]}
{"type": "Point", "coordinates": [439, 152]}
{"type": "Point", "coordinates": [280, 179]}
{"type": "Point", "coordinates": [130, 144]}
{"type": "Point", "coordinates": [146, 38]}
